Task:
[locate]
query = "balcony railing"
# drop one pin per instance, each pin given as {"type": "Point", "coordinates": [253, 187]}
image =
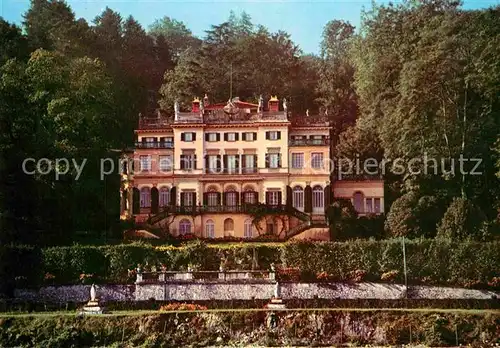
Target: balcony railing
{"type": "Point", "coordinates": [231, 170]}
{"type": "Point", "coordinates": [154, 145]}
{"type": "Point", "coordinates": [309, 142]}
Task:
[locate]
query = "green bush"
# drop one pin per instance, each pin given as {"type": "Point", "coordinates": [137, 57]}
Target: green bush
{"type": "Point", "coordinates": [462, 220]}
{"type": "Point", "coordinates": [429, 261]}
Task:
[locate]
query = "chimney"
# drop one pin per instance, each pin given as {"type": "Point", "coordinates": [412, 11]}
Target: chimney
{"type": "Point", "coordinates": [273, 104]}
{"type": "Point", "coordinates": [196, 105]}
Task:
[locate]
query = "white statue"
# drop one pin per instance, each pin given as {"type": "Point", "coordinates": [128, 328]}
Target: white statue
{"type": "Point", "coordinates": [277, 290]}
{"type": "Point", "coordinates": [307, 112]}
{"type": "Point", "coordinates": [261, 103]}
{"type": "Point", "coordinates": [284, 104]}
{"type": "Point", "coordinates": [92, 293]}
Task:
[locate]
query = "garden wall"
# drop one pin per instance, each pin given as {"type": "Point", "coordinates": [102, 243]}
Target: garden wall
{"type": "Point", "coordinates": [244, 291]}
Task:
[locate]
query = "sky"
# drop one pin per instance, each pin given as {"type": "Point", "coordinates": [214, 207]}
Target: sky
{"type": "Point", "coordinates": [303, 20]}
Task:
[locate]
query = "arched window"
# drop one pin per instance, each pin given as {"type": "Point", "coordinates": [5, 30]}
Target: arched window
{"type": "Point", "coordinates": [210, 229]}
{"type": "Point", "coordinates": [248, 229]}
{"type": "Point", "coordinates": [184, 227]}
{"type": "Point", "coordinates": [164, 197]}
{"type": "Point", "coordinates": [250, 197]}
{"type": "Point", "coordinates": [228, 225]}
{"type": "Point", "coordinates": [231, 198]}
{"type": "Point", "coordinates": [298, 198]}
{"type": "Point", "coordinates": [212, 197]}
{"type": "Point", "coordinates": [145, 197]}
{"type": "Point", "coordinates": [359, 202]}
{"type": "Point", "coordinates": [318, 199]}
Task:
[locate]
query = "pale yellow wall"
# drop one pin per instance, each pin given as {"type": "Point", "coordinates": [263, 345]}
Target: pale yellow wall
{"type": "Point", "coordinates": [155, 160]}
{"type": "Point", "coordinates": [308, 151]}
{"type": "Point", "coordinates": [370, 189]}
{"type": "Point", "coordinates": [197, 146]}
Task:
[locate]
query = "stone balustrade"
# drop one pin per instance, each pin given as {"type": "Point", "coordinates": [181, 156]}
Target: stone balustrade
{"type": "Point", "coordinates": [217, 276]}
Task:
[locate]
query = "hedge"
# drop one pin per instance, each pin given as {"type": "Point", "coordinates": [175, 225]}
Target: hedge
{"type": "Point", "coordinates": [428, 261]}
{"type": "Point", "coordinates": [254, 328]}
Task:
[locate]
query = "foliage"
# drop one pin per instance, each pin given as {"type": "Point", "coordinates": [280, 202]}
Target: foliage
{"type": "Point", "coordinates": [461, 221]}
{"type": "Point", "coordinates": [428, 261]}
{"type": "Point", "coordinates": [424, 75]}
{"type": "Point", "coordinates": [182, 307]}
{"type": "Point", "coordinates": [236, 328]}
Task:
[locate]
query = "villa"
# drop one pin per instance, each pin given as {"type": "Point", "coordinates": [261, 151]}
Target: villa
{"type": "Point", "coordinates": [237, 169]}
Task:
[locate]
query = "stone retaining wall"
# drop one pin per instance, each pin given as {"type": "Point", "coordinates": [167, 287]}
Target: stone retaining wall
{"type": "Point", "coordinates": [245, 291]}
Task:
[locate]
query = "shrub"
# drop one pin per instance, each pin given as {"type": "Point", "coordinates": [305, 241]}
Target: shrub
{"type": "Point", "coordinates": [389, 276]}
{"type": "Point", "coordinates": [182, 307]}
{"type": "Point", "coordinates": [413, 216]}
{"type": "Point", "coordinates": [431, 261]}
{"type": "Point", "coordinates": [462, 220]}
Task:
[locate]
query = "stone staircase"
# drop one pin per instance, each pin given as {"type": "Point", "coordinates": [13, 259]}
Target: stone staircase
{"type": "Point", "coordinates": [313, 221]}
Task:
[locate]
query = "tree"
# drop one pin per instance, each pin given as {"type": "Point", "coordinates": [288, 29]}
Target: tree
{"type": "Point", "coordinates": [412, 215]}
{"type": "Point", "coordinates": [257, 61]}
{"type": "Point", "coordinates": [336, 75]}
{"type": "Point", "coordinates": [175, 35]}
{"type": "Point", "coordinates": [463, 220]}
{"type": "Point", "coordinates": [424, 80]}
{"type": "Point", "coordinates": [342, 218]}
{"type": "Point", "coordinates": [13, 43]}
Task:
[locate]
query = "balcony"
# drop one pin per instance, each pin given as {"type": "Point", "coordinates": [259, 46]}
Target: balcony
{"type": "Point", "coordinates": [233, 171]}
{"type": "Point", "coordinates": [309, 142]}
{"type": "Point", "coordinates": [154, 145]}
{"type": "Point", "coordinates": [154, 123]}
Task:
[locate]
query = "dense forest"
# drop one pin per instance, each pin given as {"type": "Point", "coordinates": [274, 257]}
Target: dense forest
{"type": "Point", "coordinates": [418, 77]}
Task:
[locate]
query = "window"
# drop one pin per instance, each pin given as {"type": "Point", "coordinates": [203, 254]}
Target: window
{"type": "Point", "coordinates": [184, 227]}
{"type": "Point", "coordinates": [317, 139]}
{"type": "Point", "coordinates": [232, 166]}
{"type": "Point", "coordinates": [377, 205]}
{"type": "Point", "coordinates": [210, 229]}
{"type": "Point", "coordinates": [190, 136]}
{"type": "Point", "coordinates": [166, 163]}
{"type": "Point", "coordinates": [231, 136]}
{"type": "Point", "coordinates": [228, 225]}
{"type": "Point", "coordinates": [297, 160]}
{"type": "Point", "coordinates": [249, 136]}
{"type": "Point", "coordinates": [273, 135]}
{"type": "Point", "coordinates": [145, 197]}
{"type": "Point", "coordinates": [250, 163]}
{"type": "Point", "coordinates": [359, 202]}
{"type": "Point", "coordinates": [273, 197]}
{"type": "Point", "coordinates": [212, 137]}
{"type": "Point", "coordinates": [164, 197]}
{"type": "Point", "coordinates": [213, 164]}
{"type": "Point", "coordinates": [188, 162]}
{"type": "Point", "coordinates": [248, 229]}
{"type": "Point", "coordinates": [188, 199]}
{"type": "Point", "coordinates": [231, 199]}
{"type": "Point", "coordinates": [317, 160]}
{"type": "Point", "coordinates": [150, 142]}
{"type": "Point", "coordinates": [212, 199]}
{"type": "Point", "coordinates": [318, 200]}
{"type": "Point", "coordinates": [298, 198]}
{"type": "Point", "coordinates": [145, 163]}
{"type": "Point", "coordinates": [369, 205]}
{"type": "Point", "coordinates": [273, 160]}
{"type": "Point", "coordinates": [250, 197]}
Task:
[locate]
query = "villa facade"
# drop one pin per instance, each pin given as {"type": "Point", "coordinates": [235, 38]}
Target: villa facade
{"type": "Point", "coordinates": [234, 169]}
